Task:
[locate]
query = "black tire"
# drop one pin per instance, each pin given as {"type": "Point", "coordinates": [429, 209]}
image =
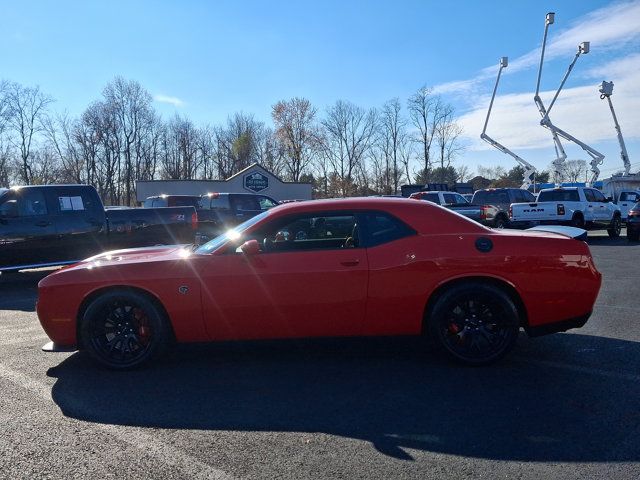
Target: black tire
{"type": "Point", "coordinates": [632, 235]}
{"type": "Point", "coordinates": [124, 329]}
{"type": "Point", "coordinates": [577, 221]}
{"type": "Point", "coordinates": [474, 323]}
{"type": "Point", "coordinates": [500, 222]}
{"type": "Point", "coordinates": [615, 227]}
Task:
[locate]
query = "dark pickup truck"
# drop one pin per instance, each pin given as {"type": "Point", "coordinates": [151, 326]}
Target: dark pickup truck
{"type": "Point", "coordinates": [221, 211]}
{"type": "Point", "coordinates": [62, 224]}
{"type": "Point", "coordinates": [487, 215]}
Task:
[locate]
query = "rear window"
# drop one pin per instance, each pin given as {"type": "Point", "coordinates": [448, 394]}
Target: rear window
{"type": "Point", "coordinates": [183, 201]}
{"type": "Point", "coordinates": [559, 196]}
{"type": "Point", "coordinates": [491, 197]}
{"type": "Point", "coordinates": [431, 197]}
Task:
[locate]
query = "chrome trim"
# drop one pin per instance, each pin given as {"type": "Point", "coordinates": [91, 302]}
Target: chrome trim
{"type": "Point", "coordinates": [38, 265]}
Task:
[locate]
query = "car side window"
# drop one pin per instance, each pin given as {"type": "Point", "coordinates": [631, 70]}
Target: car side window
{"type": "Point", "coordinates": [460, 199]}
{"type": "Point", "coordinates": [31, 203]}
{"type": "Point", "coordinates": [629, 197]}
{"type": "Point", "coordinates": [310, 232]}
{"type": "Point", "coordinates": [528, 196]}
{"type": "Point", "coordinates": [449, 198]}
{"type": "Point", "coordinates": [245, 203]}
{"type": "Point", "coordinates": [588, 193]}
{"type": "Point", "coordinates": [599, 197]}
{"type": "Point", "coordinates": [383, 228]}
{"type": "Point", "coordinates": [266, 203]}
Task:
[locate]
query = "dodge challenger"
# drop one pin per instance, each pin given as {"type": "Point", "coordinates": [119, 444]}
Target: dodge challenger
{"type": "Point", "coordinates": [326, 268]}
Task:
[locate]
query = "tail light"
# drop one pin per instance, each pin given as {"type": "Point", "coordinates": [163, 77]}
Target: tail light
{"type": "Point", "coordinates": [560, 209]}
{"type": "Point", "coordinates": [483, 212]}
{"type": "Point", "coordinates": [510, 212]}
{"type": "Point", "coordinates": [194, 221]}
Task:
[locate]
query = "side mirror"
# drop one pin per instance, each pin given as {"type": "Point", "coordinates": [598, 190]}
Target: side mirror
{"type": "Point", "coordinates": [609, 199]}
{"type": "Point", "coordinates": [250, 247]}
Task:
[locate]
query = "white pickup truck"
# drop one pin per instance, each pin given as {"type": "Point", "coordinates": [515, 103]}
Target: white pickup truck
{"type": "Point", "coordinates": [581, 207]}
{"type": "Point", "coordinates": [625, 200]}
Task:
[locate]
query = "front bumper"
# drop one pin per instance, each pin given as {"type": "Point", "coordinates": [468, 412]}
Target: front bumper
{"type": "Point", "coordinates": [555, 327]}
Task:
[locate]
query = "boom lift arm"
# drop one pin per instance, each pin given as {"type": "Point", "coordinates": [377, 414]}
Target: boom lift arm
{"type": "Point", "coordinates": [606, 90]}
{"type": "Point", "coordinates": [561, 156]}
{"type": "Point", "coordinates": [596, 157]}
{"type": "Point", "coordinates": [529, 170]}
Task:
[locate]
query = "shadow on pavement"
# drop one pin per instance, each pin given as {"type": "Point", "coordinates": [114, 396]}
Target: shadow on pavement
{"type": "Point", "coordinates": [551, 400]}
{"type": "Point", "coordinates": [19, 291]}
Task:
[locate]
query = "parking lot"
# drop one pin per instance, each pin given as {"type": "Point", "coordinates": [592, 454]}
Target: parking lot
{"type": "Point", "coordinates": [565, 405]}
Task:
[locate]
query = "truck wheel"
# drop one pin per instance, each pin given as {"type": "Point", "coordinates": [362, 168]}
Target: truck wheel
{"type": "Point", "coordinates": [615, 227]}
{"type": "Point", "coordinates": [500, 222]}
{"type": "Point", "coordinates": [577, 221]}
{"type": "Point", "coordinates": [123, 329]}
{"type": "Point", "coordinates": [474, 323]}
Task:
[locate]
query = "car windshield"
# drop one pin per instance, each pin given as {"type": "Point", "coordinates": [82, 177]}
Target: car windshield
{"type": "Point", "coordinates": [232, 234]}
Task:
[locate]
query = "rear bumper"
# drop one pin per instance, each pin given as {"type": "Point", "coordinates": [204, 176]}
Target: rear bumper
{"type": "Point", "coordinates": [555, 327]}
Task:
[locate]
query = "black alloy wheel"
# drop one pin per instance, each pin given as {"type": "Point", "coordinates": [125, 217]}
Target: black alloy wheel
{"type": "Point", "coordinates": [475, 323]}
{"type": "Point", "coordinates": [124, 329]}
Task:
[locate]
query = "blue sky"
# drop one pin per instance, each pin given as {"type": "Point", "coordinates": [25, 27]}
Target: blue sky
{"type": "Point", "coordinates": [209, 59]}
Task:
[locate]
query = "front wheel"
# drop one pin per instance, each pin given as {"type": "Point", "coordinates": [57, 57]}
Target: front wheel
{"type": "Point", "coordinates": [474, 323]}
{"type": "Point", "coordinates": [124, 329]}
{"type": "Point", "coordinates": [615, 227]}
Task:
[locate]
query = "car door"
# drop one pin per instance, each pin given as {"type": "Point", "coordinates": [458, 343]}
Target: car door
{"type": "Point", "coordinates": [309, 279]}
{"type": "Point", "coordinates": [602, 209]}
{"type": "Point", "coordinates": [27, 230]}
{"type": "Point", "coordinates": [396, 298]}
{"type": "Point", "coordinates": [80, 222]}
{"type": "Point", "coordinates": [244, 207]}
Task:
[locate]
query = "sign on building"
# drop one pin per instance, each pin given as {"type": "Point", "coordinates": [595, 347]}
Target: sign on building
{"type": "Point", "coordinates": [256, 182]}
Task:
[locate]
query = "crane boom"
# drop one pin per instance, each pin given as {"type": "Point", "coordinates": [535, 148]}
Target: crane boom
{"type": "Point", "coordinates": [561, 156]}
{"type": "Point", "coordinates": [596, 157]}
{"type": "Point", "coordinates": [606, 90]}
{"type": "Point", "coordinates": [529, 170]}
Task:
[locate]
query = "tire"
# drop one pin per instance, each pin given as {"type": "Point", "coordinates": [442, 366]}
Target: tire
{"type": "Point", "coordinates": [474, 323]}
{"type": "Point", "coordinates": [577, 221]}
{"type": "Point", "coordinates": [615, 227]}
{"type": "Point", "coordinates": [632, 235]}
{"type": "Point", "coordinates": [124, 329]}
{"type": "Point", "coordinates": [500, 222]}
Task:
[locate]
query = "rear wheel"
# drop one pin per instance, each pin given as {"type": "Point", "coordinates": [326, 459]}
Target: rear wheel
{"type": "Point", "coordinates": [501, 222]}
{"type": "Point", "coordinates": [615, 227]}
{"type": "Point", "coordinates": [474, 323]}
{"type": "Point", "coordinates": [124, 329]}
{"type": "Point", "coordinates": [577, 221]}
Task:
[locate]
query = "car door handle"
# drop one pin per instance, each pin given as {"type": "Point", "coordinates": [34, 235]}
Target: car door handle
{"type": "Point", "coordinates": [350, 263]}
{"type": "Point", "coordinates": [43, 223]}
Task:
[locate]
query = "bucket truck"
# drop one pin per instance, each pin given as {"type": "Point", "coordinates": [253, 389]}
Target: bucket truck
{"type": "Point", "coordinates": [529, 170]}
{"type": "Point", "coordinates": [606, 90]}
{"type": "Point", "coordinates": [596, 157]}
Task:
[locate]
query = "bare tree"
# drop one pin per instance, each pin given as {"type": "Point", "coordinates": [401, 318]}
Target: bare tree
{"type": "Point", "coordinates": [392, 140]}
{"type": "Point", "coordinates": [26, 106]}
{"type": "Point", "coordinates": [349, 133]}
{"type": "Point", "coordinates": [131, 106]}
{"type": "Point", "coordinates": [448, 136]}
{"type": "Point", "coordinates": [573, 170]}
{"type": "Point", "coordinates": [424, 112]}
{"type": "Point", "coordinates": [294, 121]}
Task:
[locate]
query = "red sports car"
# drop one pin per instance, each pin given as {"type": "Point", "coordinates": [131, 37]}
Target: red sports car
{"type": "Point", "coordinates": [350, 267]}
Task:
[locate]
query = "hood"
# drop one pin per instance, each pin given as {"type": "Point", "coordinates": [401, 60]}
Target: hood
{"type": "Point", "coordinates": [131, 256]}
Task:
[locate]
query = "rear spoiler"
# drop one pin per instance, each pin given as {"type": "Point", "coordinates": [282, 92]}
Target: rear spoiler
{"type": "Point", "coordinates": [571, 232]}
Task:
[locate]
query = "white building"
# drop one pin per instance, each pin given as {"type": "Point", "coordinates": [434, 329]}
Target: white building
{"type": "Point", "coordinates": [253, 179]}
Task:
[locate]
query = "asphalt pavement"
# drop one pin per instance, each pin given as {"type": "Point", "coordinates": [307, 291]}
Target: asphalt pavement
{"type": "Point", "coordinates": [565, 405]}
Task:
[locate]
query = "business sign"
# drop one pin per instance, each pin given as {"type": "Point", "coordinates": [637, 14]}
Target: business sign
{"type": "Point", "coordinates": [256, 182]}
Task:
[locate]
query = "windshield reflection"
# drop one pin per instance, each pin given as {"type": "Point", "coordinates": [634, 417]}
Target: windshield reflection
{"type": "Point", "coordinates": [232, 235]}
